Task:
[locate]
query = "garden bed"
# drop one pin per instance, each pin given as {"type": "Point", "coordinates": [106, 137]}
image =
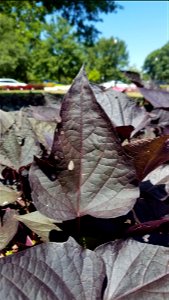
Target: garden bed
{"type": "Point", "coordinates": [16, 100]}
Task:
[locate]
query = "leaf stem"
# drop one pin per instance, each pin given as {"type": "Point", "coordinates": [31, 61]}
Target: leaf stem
{"type": "Point", "coordinates": [135, 217]}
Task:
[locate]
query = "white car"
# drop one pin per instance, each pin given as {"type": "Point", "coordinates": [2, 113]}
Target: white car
{"type": "Point", "coordinates": [11, 82]}
{"type": "Point", "coordinates": [57, 88]}
{"type": "Point", "coordinates": [119, 86]}
{"type": "Point", "coordinates": [115, 83]}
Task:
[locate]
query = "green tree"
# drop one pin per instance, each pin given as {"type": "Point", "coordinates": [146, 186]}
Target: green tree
{"type": "Point", "coordinates": [81, 13]}
{"type": "Point", "coordinates": [14, 58]}
{"type": "Point", "coordinates": [156, 64]}
{"type": "Point", "coordinates": [36, 45]}
{"type": "Point", "coordinates": [58, 56]}
{"type": "Point", "coordinates": [105, 59]}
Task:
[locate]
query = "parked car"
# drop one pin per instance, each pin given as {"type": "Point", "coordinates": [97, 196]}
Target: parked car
{"type": "Point", "coordinates": [8, 82]}
{"type": "Point", "coordinates": [119, 86]}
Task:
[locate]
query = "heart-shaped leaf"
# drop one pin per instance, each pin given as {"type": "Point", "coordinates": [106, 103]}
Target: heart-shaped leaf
{"type": "Point", "coordinates": [52, 271]}
{"type": "Point", "coordinates": [135, 270]}
{"type": "Point", "coordinates": [8, 228]}
{"type": "Point", "coordinates": [95, 176]}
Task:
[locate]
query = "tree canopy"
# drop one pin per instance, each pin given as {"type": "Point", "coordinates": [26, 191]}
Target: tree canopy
{"type": "Point", "coordinates": [14, 53]}
{"type": "Point", "coordinates": [58, 56]}
{"type": "Point", "coordinates": [81, 13]}
{"type": "Point", "coordinates": [52, 39]}
{"type": "Point", "coordinates": [156, 64]}
{"type": "Point", "coordinates": [106, 58]}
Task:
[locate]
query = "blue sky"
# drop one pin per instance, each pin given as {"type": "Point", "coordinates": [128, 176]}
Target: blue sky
{"type": "Point", "coordinates": [143, 25]}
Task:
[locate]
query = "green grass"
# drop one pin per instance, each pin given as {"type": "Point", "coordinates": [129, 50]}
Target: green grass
{"type": "Point", "coordinates": [134, 95]}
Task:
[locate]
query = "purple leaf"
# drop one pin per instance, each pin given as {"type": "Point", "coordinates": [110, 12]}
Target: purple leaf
{"type": "Point", "coordinates": [148, 154]}
{"type": "Point", "coordinates": [143, 124]}
{"type": "Point", "coordinates": [135, 270]}
{"type": "Point", "coordinates": [134, 77]}
{"type": "Point", "coordinates": [46, 113]}
{"type": "Point", "coordinates": [95, 176]}
{"type": "Point", "coordinates": [18, 145]}
{"type": "Point", "coordinates": [166, 130]}
{"type": "Point", "coordinates": [52, 271]}
{"type": "Point", "coordinates": [44, 132]}
{"type": "Point", "coordinates": [120, 109]}
{"type": "Point", "coordinates": [124, 132]}
{"type": "Point", "coordinates": [161, 115]}
{"type": "Point", "coordinates": [148, 227]}
{"type": "Point", "coordinates": [158, 98]}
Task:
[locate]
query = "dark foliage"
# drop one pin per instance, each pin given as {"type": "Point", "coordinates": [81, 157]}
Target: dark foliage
{"type": "Point", "coordinates": [96, 190]}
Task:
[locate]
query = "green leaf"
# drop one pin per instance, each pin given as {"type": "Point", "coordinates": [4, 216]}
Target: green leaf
{"type": "Point", "coordinates": [7, 195]}
{"type": "Point", "coordinates": [39, 224]}
{"type": "Point", "coordinates": [8, 228]}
